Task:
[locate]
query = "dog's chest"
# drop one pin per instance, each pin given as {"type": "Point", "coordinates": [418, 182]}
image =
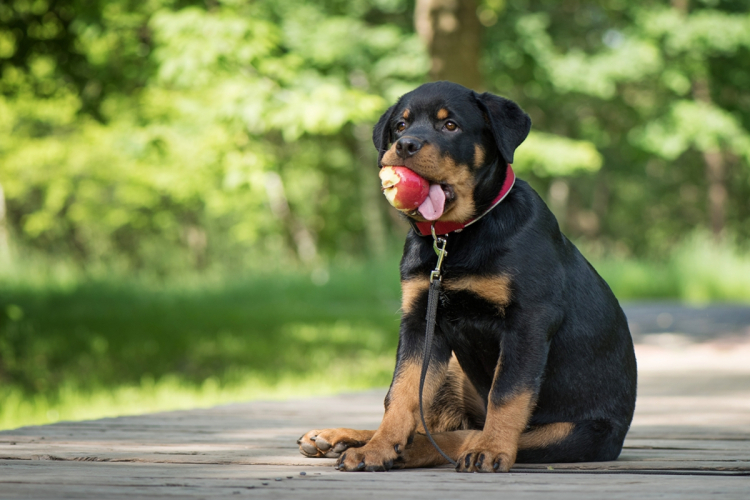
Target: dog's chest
{"type": "Point", "coordinates": [473, 327]}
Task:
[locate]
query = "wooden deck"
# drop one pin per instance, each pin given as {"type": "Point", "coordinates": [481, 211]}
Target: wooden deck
{"type": "Point", "coordinates": [690, 439]}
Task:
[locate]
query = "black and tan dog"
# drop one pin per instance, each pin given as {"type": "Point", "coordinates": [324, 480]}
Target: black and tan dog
{"type": "Point", "coordinates": [532, 359]}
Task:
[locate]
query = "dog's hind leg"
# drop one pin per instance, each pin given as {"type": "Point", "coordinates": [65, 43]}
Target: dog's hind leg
{"type": "Point", "coordinates": [559, 442]}
{"type": "Point", "coordinates": [589, 441]}
{"type": "Point", "coordinates": [585, 441]}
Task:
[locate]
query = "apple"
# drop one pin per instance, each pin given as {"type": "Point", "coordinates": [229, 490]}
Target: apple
{"type": "Point", "coordinates": [403, 188]}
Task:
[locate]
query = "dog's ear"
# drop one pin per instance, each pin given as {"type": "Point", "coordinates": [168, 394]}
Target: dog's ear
{"type": "Point", "coordinates": [381, 133]}
{"type": "Point", "coordinates": [510, 125]}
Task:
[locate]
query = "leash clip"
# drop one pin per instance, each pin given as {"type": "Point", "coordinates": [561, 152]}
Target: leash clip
{"type": "Point", "coordinates": [441, 253]}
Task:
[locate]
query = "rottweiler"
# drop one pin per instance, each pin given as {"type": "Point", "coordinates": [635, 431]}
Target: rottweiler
{"type": "Point", "coordinates": [532, 359]}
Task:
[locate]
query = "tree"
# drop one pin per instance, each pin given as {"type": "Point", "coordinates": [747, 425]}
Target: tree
{"type": "Point", "coordinates": [453, 34]}
{"type": "Point", "coordinates": [171, 134]}
{"type": "Point", "coordinates": [207, 121]}
{"type": "Point", "coordinates": [654, 88]}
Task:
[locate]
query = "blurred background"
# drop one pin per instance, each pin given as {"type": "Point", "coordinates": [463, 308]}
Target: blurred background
{"type": "Point", "coordinates": [190, 210]}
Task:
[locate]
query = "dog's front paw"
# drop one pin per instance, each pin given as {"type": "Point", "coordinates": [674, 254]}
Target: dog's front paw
{"type": "Point", "coordinates": [373, 457]}
{"type": "Point", "coordinates": [329, 443]}
{"type": "Point", "coordinates": [484, 460]}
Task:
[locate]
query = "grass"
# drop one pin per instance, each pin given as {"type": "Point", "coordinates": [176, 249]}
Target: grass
{"type": "Point", "coordinates": [74, 348]}
{"type": "Point", "coordinates": [697, 271]}
{"type": "Point", "coordinates": [98, 348]}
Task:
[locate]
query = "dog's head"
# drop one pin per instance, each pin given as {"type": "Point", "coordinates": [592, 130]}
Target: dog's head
{"type": "Point", "coordinates": [456, 139]}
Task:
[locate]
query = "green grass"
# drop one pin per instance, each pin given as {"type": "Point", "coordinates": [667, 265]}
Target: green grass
{"type": "Point", "coordinates": [697, 271]}
{"type": "Point", "coordinates": [83, 350]}
{"type": "Point", "coordinates": [75, 348]}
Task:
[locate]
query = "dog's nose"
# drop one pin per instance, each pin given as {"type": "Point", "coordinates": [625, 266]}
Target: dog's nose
{"type": "Point", "coordinates": [407, 147]}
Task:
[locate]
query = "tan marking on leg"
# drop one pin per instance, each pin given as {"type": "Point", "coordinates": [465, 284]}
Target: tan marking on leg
{"type": "Point", "coordinates": [405, 116]}
{"type": "Point", "coordinates": [457, 404]}
{"type": "Point", "coordinates": [478, 155]}
{"type": "Point", "coordinates": [411, 290]}
{"type": "Point", "coordinates": [498, 442]}
{"type": "Point", "coordinates": [545, 435]}
{"type": "Point", "coordinates": [494, 289]}
{"type": "Point", "coordinates": [442, 114]}
{"type": "Point", "coordinates": [506, 422]}
{"type": "Point", "coordinates": [405, 392]}
{"type": "Point", "coordinates": [401, 418]}
{"type": "Point", "coordinates": [499, 365]}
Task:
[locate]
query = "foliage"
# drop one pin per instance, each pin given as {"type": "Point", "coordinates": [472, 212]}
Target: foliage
{"type": "Point", "coordinates": [177, 154]}
{"type": "Point", "coordinates": [652, 87]}
{"type": "Point", "coordinates": [174, 134]}
{"type": "Point", "coordinates": [551, 155]}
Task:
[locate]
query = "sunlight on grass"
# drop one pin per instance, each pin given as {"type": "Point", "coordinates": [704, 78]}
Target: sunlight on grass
{"type": "Point", "coordinates": [172, 393]}
{"type": "Point", "coordinates": [707, 272]}
{"type": "Point", "coordinates": [78, 347]}
{"type": "Point", "coordinates": [698, 271]}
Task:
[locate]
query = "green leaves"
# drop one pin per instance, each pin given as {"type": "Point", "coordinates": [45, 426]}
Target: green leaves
{"type": "Point", "coordinates": [550, 155]}
{"type": "Point", "coordinates": [205, 105]}
{"type": "Point", "coordinates": [702, 33]}
{"type": "Point", "coordinates": [629, 59]}
{"type": "Point", "coordinates": [146, 133]}
{"type": "Point", "coordinates": [193, 46]}
{"type": "Point", "coordinates": [698, 125]}
{"type": "Point", "coordinates": [320, 106]}
{"type": "Point", "coordinates": [657, 90]}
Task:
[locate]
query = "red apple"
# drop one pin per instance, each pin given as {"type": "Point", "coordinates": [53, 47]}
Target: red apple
{"type": "Point", "coordinates": [403, 188]}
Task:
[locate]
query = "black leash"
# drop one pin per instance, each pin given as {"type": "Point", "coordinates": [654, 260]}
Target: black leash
{"type": "Point", "coordinates": [432, 303]}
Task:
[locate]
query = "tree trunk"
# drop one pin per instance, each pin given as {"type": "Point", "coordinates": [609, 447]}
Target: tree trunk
{"type": "Point", "coordinates": [715, 170]}
{"type": "Point", "coordinates": [304, 241]}
{"type": "Point", "coordinates": [4, 244]}
{"type": "Point", "coordinates": [717, 191]}
{"type": "Point", "coordinates": [369, 189]}
{"type": "Point", "coordinates": [452, 32]}
{"type": "Point", "coordinates": [714, 160]}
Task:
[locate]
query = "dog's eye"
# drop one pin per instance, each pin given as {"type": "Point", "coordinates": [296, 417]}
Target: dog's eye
{"type": "Point", "coordinates": [400, 126]}
{"type": "Point", "coordinates": [450, 126]}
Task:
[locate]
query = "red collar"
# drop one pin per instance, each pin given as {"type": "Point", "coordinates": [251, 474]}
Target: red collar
{"type": "Point", "coordinates": [445, 227]}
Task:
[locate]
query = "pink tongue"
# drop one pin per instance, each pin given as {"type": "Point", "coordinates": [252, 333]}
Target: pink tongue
{"type": "Point", "coordinates": [432, 207]}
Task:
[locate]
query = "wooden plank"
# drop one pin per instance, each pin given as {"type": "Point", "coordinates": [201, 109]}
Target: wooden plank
{"type": "Point", "coordinates": [85, 480]}
{"type": "Point", "coordinates": [687, 420]}
{"type": "Point", "coordinates": [666, 433]}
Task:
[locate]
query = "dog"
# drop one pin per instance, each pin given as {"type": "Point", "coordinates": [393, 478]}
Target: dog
{"type": "Point", "coordinates": [532, 359]}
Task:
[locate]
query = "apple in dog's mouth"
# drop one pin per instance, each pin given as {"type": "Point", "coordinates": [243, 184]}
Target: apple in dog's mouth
{"type": "Point", "coordinates": [403, 188]}
{"type": "Point", "coordinates": [407, 191]}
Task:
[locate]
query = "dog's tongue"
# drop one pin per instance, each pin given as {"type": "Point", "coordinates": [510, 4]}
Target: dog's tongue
{"type": "Point", "coordinates": [432, 207]}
